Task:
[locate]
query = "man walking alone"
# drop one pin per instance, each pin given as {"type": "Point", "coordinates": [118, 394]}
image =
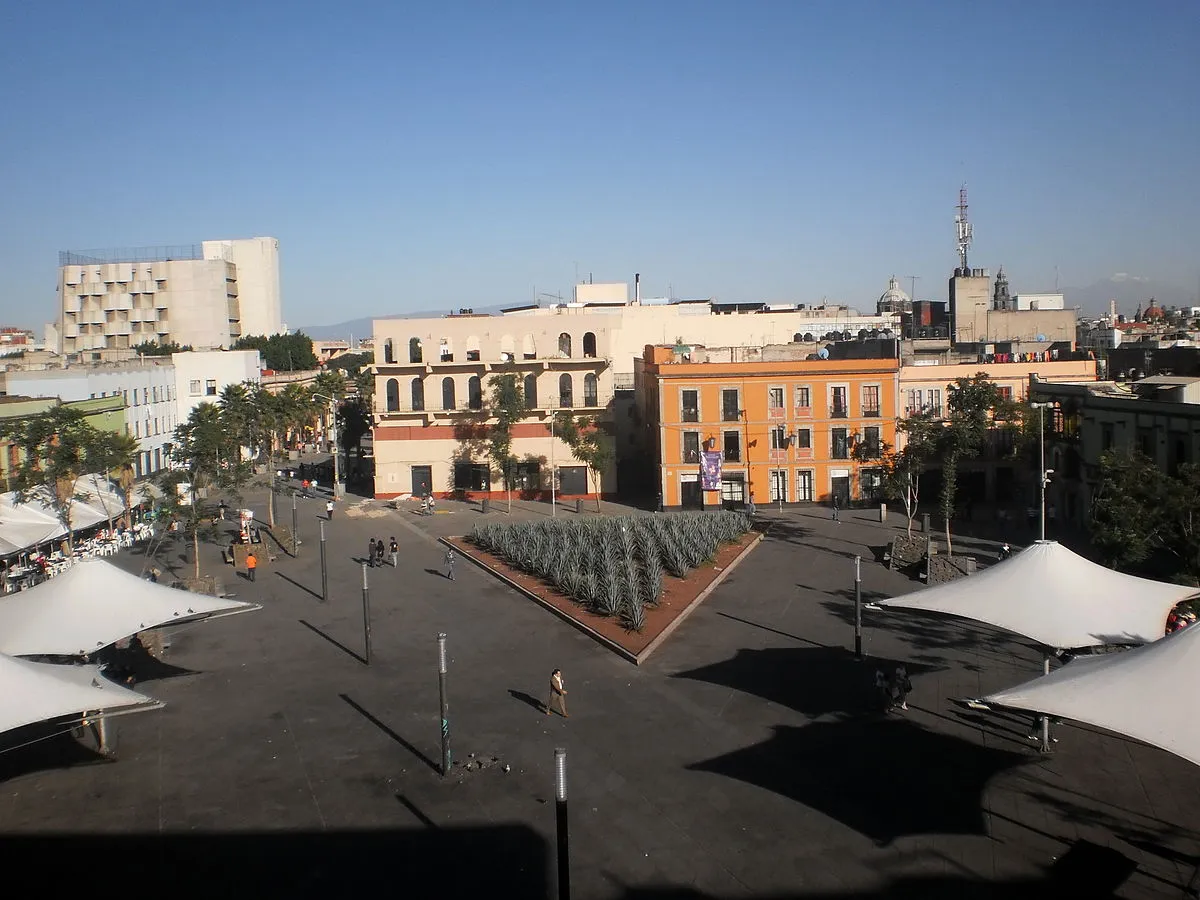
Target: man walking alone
{"type": "Point", "coordinates": [558, 692]}
{"type": "Point", "coordinates": [450, 563]}
{"type": "Point", "coordinates": [251, 565]}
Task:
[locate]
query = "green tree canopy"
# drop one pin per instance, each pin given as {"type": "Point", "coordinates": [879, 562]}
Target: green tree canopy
{"type": "Point", "coordinates": [281, 352]}
{"type": "Point", "coordinates": [152, 348]}
{"type": "Point", "coordinates": [588, 442]}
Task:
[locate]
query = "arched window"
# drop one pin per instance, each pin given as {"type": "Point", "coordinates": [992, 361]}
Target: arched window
{"type": "Point", "coordinates": [564, 345]}
{"type": "Point", "coordinates": [589, 345]}
{"type": "Point", "coordinates": [531, 397]}
{"type": "Point", "coordinates": [528, 350]}
{"type": "Point", "coordinates": [474, 392]}
{"type": "Point", "coordinates": [447, 393]}
{"type": "Point", "coordinates": [473, 350]}
{"type": "Point", "coordinates": [591, 394]}
{"type": "Point", "coordinates": [808, 337]}
{"type": "Point", "coordinates": [446, 350]}
{"type": "Point", "coordinates": [389, 353]}
{"type": "Point", "coordinates": [414, 350]}
{"type": "Point", "coordinates": [507, 353]}
{"type": "Point", "coordinates": [418, 395]}
{"type": "Point", "coordinates": [393, 395]}
{"type": "Point", "coordinates": [565, 389]}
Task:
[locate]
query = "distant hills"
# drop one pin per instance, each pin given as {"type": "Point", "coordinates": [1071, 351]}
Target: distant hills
{"type": "Point", "coordinates": [361, 328]}
{"type": "Point", "coordinates": [1130, 291]}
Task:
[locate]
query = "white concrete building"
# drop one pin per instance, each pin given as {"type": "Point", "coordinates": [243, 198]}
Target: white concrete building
{"type": "Point", "coordinates": [147, 386]}
{"type": "Point", "coordinates": [205, 296]}
{"type": "Point", "coordinates": [200, 376]}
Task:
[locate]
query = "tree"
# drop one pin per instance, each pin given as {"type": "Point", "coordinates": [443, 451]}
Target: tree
{"type": "Point", "coordinates": [901, 470]}
{"type": "Point", "coordinates": [152, 348]}
{"type": "Point", "coordinates": [414, 350]}
{"type": "Point", "coordinates": [1183, 519]}
{"type": "Point", "coordinates": [59, 447]}
{"type": "Point", "coordinates": [588, 443]}
{"type": "Point", "coordinates": [506, 404]}
{"type": "Point", "coordinates": [351, 363]}
{"type": "Point", "coordinates": [281, 352]}
{"type": "Point", "coordinates": [971, 403]}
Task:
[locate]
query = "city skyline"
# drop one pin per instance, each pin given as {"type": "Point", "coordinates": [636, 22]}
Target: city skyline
{"type": "Point", "coordinates": [413, 160]}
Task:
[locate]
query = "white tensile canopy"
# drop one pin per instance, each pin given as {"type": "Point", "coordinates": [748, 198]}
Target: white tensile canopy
{"type": "Point", "coordinates": [35, 692]}
{"type": "Point", "coordinates": [1057, 598]}
{"type": "Point", "coordinates": [94, 604]}
{"type": "Point", "coordinates": [1129, 693]}
{"type": "Point", "coordinates": [25, 525]}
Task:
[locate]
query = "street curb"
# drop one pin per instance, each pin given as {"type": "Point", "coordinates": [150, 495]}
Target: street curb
{"type": "Point", "coordinates": [638, 658]}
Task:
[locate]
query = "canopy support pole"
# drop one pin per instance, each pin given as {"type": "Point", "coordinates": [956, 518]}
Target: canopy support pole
{"type": "Point", "coordinates": [1045, 719]}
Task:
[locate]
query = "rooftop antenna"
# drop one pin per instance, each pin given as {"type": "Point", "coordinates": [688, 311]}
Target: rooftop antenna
{"type": "Point", "coordinates": [964, 230]}
{"type": "Point", "coordinates": [912, 280]}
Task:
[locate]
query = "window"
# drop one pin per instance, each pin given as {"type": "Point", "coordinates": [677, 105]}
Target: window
{"type": "Point", "coordinates": [527, 476]}
{"type": "Point", "coordinates": [779, 440]}
{"type": "Point", "coordinates": [448, 393]}
{"type": "Point", "coordinates": [156, 395]}
{"type": "Point", "coordinates": [733, 446]}
{"type": "Point", "coordinates": [733, 489]}
{"type": "Point", "coordinates": [804, 486]}
{"type": "Point", "coordinates": [870, 400]}
{"type": "Point", "coordinates": [1006, 393]}
{"type": "Point", "coordinates": [871, 484]}
{"type": "Point", "coordinates": [210, 387]}
{"type": "Point", "coordinates": [589, 345]}
{"type": "Point", "coordinates": [871, 445]}
{"type": "Point", "coordinates": [691, 446]}
{"type": "Point", "coordinates": [393, 395]}
{"type": "Point", "coordinates": [564, 345]}
{"type": "Point", "coordinates": [418, 395]}
{"type": "Point", "coordinates": [920, 401]}
{"type": "Point", "coordinates": [530, 386]}
{"type": "Point", "coordinates": [804, 397]}
{"type": "Point", "coordinates": [1106, 436]}
{"type": "Point", "coordinates": [775, 398]}
{"type": "Point", "coordinates": [474, 392]}
{"type": "Point", "coordinates": [690, 405]}
{"type": "Point", "coordinates": [445, 351]}
{"type": "Point", "coordinates": [565, 391]}
{"type": "Point", "coordinates": [137, 429]}
{"type": "Point", "coordinates": [731, 407]}
{"type": "Point", "coordinates": [591, 391]}
{"type": "Point", "coordinates": [804, 438]}
{"type": "Point", "coordinates": [778, 484]}
{"type": "Point", "coordinates": [838, 408]}
{"type": "Point", "coordinates": [841, 446]}
{"type": "Point", "coordinates": [471, 477]}
{"type": "Point", "coordinates": [414, 350]}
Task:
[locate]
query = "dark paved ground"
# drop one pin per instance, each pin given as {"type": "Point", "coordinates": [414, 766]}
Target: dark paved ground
{"type": "Point", "coordinates": [742, 761]}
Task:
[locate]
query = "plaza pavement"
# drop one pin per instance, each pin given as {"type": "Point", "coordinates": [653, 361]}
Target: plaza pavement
{"type": "Point", "coordinates": [741, 761]}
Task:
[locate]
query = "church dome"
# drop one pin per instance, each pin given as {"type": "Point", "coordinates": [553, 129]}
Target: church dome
{"type": "Point", "coordinates": [893, 298]}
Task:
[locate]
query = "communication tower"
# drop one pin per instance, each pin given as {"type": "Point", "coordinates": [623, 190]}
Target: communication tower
{"type": "Point", "coordinates": [964, 230]}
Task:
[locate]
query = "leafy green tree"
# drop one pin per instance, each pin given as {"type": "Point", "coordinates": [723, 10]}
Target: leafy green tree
{"type": "Point", "coordinates": [351, 363]}
{"type": "Point", "coordinates": [506, 405]}
{"type": "Point", "coordinates": [1128, 522]}
{"type": "Point", "coordinates": [281, 352]}
{"type": "Point", "coordinates": [1183, 519]}
{"type": "Point", "coordinates": [588, 443]}
{"type": "Point", "coordinates": [901, 469]}
{"type": "Point", "coordinates": [971, 405]}
{"type": "Point", "coordinates": [152, 348]}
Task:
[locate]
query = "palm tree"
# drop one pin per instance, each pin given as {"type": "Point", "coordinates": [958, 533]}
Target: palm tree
{"type": "Point", "coordinates": [239, 417]}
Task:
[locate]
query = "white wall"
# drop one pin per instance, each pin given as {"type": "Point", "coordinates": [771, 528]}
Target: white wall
{"type": "Point", "coordinates": [201, 376]}
{"type": "Point", "coordinates": [257, 262]}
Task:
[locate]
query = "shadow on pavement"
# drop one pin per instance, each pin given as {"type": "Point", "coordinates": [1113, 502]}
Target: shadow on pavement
{"type": "Point", "coordinates": [883, 777]}
{"type": "Point", "coordinates": [483, 861]}
{"type": "Point", "coordinates": [313, 628]}
{"type": "Point", "coordinates": [815, 681]}
{"type": "Point", "coordinates": [529, 699]}
{"type": "Point", "coordinates": [135, 664]}
{"type": "Point", "coordinates": [390, 733]}
{"type": "Point", "coordinates": [294, 582]}
{"type": "Point", "coordinates": [42, 747]}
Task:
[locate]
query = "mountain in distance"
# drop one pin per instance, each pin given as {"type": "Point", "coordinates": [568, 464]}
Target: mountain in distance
{"type": "Point", "coordinates": [361, 328]}
{"type": "Point", "coordinates": [1130, 292]}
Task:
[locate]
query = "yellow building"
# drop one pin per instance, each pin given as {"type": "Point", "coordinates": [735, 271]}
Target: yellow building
{"type": "Point", "coordinates": [735, 424]}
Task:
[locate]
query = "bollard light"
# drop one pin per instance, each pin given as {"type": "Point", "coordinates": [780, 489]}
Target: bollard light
{"type": "Point", "coordinates": [560, 774]}
{"type": "Point", "coordinates": [442, 653]}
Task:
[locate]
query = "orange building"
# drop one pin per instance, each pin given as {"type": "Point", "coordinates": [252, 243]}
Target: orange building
{"type": "Point", "coordinates": [779, 429]}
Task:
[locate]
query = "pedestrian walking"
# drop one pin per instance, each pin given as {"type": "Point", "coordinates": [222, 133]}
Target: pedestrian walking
{"type": "Point", "coordinates": [883, 694]}
{"type": "Point", "coordinates": [558, 693]}
{"type": "Point", "coordinates": [221, 509]}
{"type": "Point", "coordinates": [837, 510]}
{"type": "Point", "coordinates": [395, 551]}
{"type": "Point", "coordinates": [901, 687]}
{"type": "Point", "coordinates": [329, 510]}
{"type": "Point", "coordinates": [304, 487]}
{"type": "Point", "coordinates": [371, 553]}
{"type": "Point", "coordinates": [251, 565]}
{"type": "Point", "coordinates": [450, 558]}
{"type": "Point", "coordinates": [378, 552]}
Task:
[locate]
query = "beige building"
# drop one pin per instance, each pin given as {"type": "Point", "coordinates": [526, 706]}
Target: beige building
{"type": "Point", "coordinates": [205, 296]}
{"type": "Point", "coordinates": [979, 316]}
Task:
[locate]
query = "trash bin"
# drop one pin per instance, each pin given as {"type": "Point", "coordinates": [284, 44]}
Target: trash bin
{"type": "Point", "coordinates": [486, 504]}
{"type": "Point", "coordinates": [578, 504]}
{"type": "Point", "coordinates": [882, 512]}
{"type": "Point", "coordinates": [925, 523]}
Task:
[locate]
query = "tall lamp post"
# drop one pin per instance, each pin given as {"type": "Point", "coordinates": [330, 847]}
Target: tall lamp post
{"type": "Point", "coordinates": [1043, 473]}
{"type": "Point", "coordinates": [337, 480]}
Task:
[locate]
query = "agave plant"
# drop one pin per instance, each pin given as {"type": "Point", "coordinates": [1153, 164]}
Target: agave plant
{"type": "Point", "coordinates": [633, 613]}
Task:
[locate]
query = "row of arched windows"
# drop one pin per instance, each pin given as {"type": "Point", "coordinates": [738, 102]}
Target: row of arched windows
{"type": "Point", "coordinates": [507, 348]}
{"type": "Point", "coordinates": [566, 392]}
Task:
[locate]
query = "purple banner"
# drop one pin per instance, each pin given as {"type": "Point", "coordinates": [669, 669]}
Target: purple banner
{"type": "Point", "coordinates": [710, 470]}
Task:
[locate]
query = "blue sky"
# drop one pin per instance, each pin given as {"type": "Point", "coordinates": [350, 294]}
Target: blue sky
{"type": "Point", "coordinates": [425, 157]}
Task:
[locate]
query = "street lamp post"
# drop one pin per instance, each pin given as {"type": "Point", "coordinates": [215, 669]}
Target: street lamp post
{"type": "Point", "coordinates": [337, 480]}
{"type": "Point", "coordinates": [1043, 473]}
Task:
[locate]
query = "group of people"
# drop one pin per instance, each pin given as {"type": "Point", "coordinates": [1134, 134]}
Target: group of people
{"type": "Point", "coordinates": [376, 549]}
{"type": "Point", "coordinates": [892, 691]}
{"type": "Point", "coordinates": [1180, 619]}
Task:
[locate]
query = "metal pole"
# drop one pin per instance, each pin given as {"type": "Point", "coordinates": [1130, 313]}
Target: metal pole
{"type": "Point", "coordinates": [1042, 445]}
{"type": "Point", "coordinates": [441, 642]}
{"type": "Point", "coordinates": [553, 504]}
{"type": "Point", "coordinates": [324, 571]}
{"type": "Point", "coordinates": [1046, 719]}
{"type": "Point", "coordinates": [295, 524]}
{"type": "Point", "coordinates": [102, 735]}
{"type": "Point", "coordinates": [560, 807]}
{"type": "Point", "coordinates": [366, 617]}
{"type": "Point", "coordinates": [858, 654]}
{"type": "Point", "coordinates": [337, 481]}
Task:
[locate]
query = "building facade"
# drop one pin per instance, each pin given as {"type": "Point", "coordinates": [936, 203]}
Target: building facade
{"type": "Point", "coordinates": [205, 296]}
{"type": "Point", "coordinates": [784, 431]}
{"type": "Point", "coordinates": [431, 390]}
{"type": "Point", "coordinates": [201, 376]}
{"type": "Point", "coordinates": [102, 413]}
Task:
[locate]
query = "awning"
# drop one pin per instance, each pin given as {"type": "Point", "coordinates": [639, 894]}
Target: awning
{"type": "Point", "coordinates": [1132, 693]}
{"type": "Point", "coordinates": [26, 524]}
{"type": "Point", "coordinates": [36, 692]}
{"type": "Point", "coordinates": [94, 604]}
{"type": "Point", "coordinates": [1056, 597]}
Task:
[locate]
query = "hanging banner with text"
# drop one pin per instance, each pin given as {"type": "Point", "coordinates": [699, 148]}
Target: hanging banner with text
{"type": "Point", "coordinates": [710, 470]}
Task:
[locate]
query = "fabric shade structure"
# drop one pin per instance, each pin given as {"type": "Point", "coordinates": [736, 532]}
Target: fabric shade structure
{"type": "Point", "coordinates": [94, 604]}
{"type": "Point", "coordinates": [1056, 597]}
{"type": "Point", "coordinates": [26, 524]}
{"type": "Point", "coordinates": [36, 692]}
{"type": "Point", "coordinates": [1127, 693]}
